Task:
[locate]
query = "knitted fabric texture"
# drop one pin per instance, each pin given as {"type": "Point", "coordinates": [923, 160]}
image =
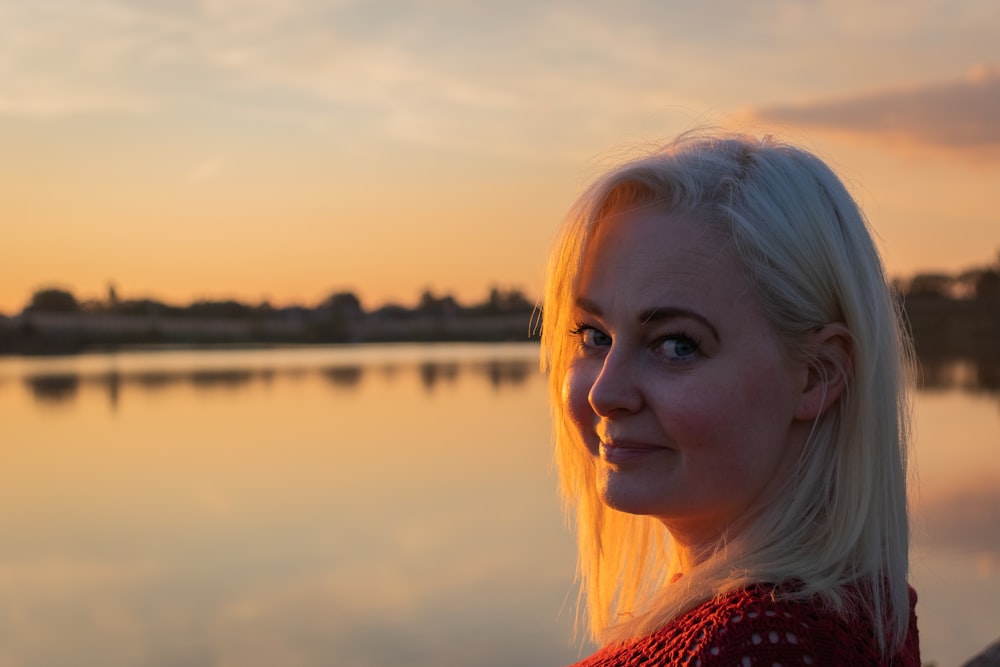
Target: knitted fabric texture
{"type": "Point", "coordinates": [747, 628]}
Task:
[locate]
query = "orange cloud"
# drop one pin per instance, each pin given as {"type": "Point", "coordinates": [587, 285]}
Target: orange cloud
{"type": "Point", "coordinates": [960, 114]}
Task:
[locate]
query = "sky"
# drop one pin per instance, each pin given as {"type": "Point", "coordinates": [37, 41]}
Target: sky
{"type": "Point", "coordinates": [284, 150]}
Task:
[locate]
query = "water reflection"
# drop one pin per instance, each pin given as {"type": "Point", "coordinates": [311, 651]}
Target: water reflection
{"type": "Point", "coordinates": [57, 388]}
{"type": "Point", "coordinates": [343, 376]}
{"type": "Point", "coordinates": [431, 373]}
{"type": "Point", "coordinates": [972, 374]}
{"type": "Point", "coordinates": [363, 507]}
{"type": "Point", "coordinates": [965, 519]}
{"type": "Point", "coordinates": [63, 387]}
{"type": "Point", "coordinates": [225, 378]}
{"type": "Point", "coordinates": [268, 510]}
{"type": "Point", "coordinates": [961, 517]}
{"type": "Point", "coordinates": [149, 380]}
{"type": "Point", "coordinates": [511, 373]}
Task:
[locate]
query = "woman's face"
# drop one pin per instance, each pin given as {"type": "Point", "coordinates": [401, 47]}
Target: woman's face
{"type": "Point", "coordinates": [679, 386]}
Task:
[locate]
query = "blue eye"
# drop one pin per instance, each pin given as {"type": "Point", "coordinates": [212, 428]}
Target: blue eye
{"type": "Point", "coordinates": [590, 337]}
{"type": "Point", "coordinates": [679, 346]}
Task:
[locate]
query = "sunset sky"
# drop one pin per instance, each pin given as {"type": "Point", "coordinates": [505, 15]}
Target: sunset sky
{"type": "Point", "coordinates": [282, 150]}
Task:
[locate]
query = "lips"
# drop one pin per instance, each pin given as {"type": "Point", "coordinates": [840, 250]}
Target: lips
{"type": "Point", "coordinates": [626, 451]}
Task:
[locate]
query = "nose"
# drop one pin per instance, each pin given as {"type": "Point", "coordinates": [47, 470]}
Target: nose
{"type": "Point", "coordinates": [616, 389]}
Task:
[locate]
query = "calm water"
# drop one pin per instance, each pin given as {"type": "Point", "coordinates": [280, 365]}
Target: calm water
{"type": "Point", "coordinates": [383, 505]}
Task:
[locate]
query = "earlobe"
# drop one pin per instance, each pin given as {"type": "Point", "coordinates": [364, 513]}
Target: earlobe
{"type": "Point", "coordinates": [830, 368]}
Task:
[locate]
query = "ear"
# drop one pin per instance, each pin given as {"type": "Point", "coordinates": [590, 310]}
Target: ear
{"type": "Point", "coordinates": [830, 367]}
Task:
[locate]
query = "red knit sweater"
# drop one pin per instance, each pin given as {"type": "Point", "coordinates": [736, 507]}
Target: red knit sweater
{"type": "Point", "coordinates": [747, 627]}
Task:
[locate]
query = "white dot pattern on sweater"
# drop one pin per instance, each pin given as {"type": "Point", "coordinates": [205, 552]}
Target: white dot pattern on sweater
{"type": "Point", "coordinates": [755, 628]}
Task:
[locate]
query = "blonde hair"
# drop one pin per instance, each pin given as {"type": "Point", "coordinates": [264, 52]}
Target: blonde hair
{"type": "Point", "coordinates": [839, 528]}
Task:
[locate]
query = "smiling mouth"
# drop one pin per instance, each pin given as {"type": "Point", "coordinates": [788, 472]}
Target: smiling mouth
{"type": "Point", "coordinates": [625, 452]}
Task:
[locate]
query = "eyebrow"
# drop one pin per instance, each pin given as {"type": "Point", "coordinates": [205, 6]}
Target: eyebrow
{"type": "Point", "coordinates": [654, 315]}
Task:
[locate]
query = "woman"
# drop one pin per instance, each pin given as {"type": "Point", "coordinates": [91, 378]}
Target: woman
{"type": "Point", "coordinates": [727, 371]}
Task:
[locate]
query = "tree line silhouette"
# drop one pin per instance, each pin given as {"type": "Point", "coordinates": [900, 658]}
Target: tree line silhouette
{"type": "Point", "coordinates": [949, 316]}
{"type": "Point", "coordinates": [59, 300]}
{"type": "Point", "coordinates": [954, 316]}
{"type": "Point", "coordinates": [54, 321]}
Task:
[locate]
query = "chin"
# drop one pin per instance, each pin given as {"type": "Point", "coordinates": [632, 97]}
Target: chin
{"type": "Point", "coordinates": [630, 498]}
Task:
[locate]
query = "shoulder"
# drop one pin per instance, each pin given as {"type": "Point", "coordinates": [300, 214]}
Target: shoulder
{"type": "Point", "coordinates": [760, 626]}
{"type": "Point", "coordinates": [751, 626]}
{"type": "Point", "coordinates": [754, 624]}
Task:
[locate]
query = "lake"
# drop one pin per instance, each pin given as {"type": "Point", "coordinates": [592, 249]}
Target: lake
{"type": "Point", "coordinates": [361, 506]}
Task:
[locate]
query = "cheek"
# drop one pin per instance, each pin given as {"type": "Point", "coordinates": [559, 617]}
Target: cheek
{"type": "Point", "coordinates": [711, 421]}
{"type": "Point", "coordinates": [576, 402]}
{"type": "Point", "coordinates": [750, 435]}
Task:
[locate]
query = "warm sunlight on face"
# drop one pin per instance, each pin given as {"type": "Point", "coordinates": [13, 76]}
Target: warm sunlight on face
{"type": "Point", "coordinates": [680, 388]}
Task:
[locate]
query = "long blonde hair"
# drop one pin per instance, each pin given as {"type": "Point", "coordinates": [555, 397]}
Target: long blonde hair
{"type": "Point", "coordinates": [839, 529]}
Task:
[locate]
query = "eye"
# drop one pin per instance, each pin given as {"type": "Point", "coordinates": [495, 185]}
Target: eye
{"type": "Point", "coordinates": [590, 337]}
{"type": "Point", "coordinates": [678, 347]}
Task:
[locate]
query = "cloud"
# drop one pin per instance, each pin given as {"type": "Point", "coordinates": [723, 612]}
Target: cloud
{"type": "Point", "coordinates": [412, 72]}
{"type": "Point", "coordinates": [957, 114]}
{"type": "Point", "coordinates": [59, 59]}
{"type": "Point", "coordinates": [47, 101]}
{"type": "Point", "coordinates": [466, 78]}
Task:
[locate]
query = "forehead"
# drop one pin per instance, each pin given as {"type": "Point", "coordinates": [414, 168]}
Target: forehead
{"type": "Point", "coordinates": [649, 251]}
